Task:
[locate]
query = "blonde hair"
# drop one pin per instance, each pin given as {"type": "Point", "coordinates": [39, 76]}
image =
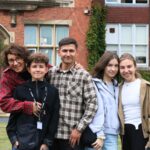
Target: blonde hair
{"type": "Point", "coordinates": [130, 57]}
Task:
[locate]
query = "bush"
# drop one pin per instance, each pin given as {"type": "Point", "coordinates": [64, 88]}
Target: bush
{"type": "Point", "coordinates": [145, 74]}
{"type": "Point", "coordinates": [95, 40]}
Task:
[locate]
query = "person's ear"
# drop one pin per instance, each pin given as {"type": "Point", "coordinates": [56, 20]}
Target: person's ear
{"type": "Point", "coordinates": [58, 52]}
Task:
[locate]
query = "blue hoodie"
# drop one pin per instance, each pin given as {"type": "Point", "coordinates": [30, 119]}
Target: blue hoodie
{"type": "Point", "coordinates": [106, 120]}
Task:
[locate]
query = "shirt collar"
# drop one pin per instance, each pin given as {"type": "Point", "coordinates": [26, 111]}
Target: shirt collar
{"type": "Point", "coordinates": [72, 69]}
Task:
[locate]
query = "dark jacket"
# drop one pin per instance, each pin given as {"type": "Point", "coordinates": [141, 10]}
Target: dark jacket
{"type": "Point", "coordinates": [23, 127]}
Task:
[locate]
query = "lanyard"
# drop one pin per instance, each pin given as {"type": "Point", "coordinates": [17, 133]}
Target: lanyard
{"type": "Point", "coordinates": [43, 102]}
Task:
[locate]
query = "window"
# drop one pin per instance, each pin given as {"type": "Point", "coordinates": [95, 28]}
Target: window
{"type": "Point", "coordinates": [129, 38]}
{"type": "Point", "coordinates": [45, 38]}
{"type": "Point", "coordinates": [66, 3]}
{"type": "Point", "coordinates": [127, 1]}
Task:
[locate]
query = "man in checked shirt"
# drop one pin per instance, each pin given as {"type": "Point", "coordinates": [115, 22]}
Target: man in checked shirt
{"type": "Point", "coordinates": [78, 102]}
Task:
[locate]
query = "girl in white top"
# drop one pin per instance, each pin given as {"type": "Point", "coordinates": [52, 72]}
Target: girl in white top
{"type": "Point", "coordinates": [130, 105]}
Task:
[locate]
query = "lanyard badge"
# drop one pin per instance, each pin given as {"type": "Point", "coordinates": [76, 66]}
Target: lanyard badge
{"type": "Point", "coordinates": [42, 112]}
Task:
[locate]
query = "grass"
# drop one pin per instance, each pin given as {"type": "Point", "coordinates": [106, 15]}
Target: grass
{"type": "Point", "coordinates": [4, 142]}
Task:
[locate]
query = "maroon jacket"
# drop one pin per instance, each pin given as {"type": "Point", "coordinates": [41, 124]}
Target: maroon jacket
{"type": "Point", "coordinates": [8, 82]}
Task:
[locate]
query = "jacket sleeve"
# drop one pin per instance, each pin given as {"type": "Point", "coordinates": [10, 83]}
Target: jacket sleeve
{"type": "Point", "coordinates": [148, 143]}
{"type": "Point", "coordinates": [53, 121]}
{"type": "Point", "coordinates": [90, 102]}
{"type": "Point", "coordinates": [7, 102]}
{"type": "Point", "coordinates": [11, 128]}
{"type": "Point", "coordinates": [97, 124]}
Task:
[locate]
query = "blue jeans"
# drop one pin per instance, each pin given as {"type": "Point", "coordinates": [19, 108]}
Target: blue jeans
{"type": "Point", "coordinates": [110, 143]}
{"type": "Point", "coordinates": [13, 148]}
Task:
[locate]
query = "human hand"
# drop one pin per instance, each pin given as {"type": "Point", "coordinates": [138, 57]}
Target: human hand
{"type": "Point", "coordinates": [16, 144]}
{"type": "Point", "coordinates": [37, 108]}
{"type": "Point", "coordinates": [44, 147]}
{"type": "Point", "coordinates": [74, 137]}
{"type": "Point", "coordinates": [98, 144]}
{"type": "Point", "coordinates": [78, 66]}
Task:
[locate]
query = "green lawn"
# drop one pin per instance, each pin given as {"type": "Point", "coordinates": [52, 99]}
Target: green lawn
{"type": "Point", "coordinates": [4, 142]}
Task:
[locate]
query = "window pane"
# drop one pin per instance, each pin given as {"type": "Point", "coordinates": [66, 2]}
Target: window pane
{"type": "Point", "coordinates": [32, 50]}
{"type": "Point", "coordinates": [45, 35]}
{"type": "Point", "coordinates": [61, 32]}
{"type": "Point", "coordinates": [112, 48]}
{"type": "Point", "coordinates": [141, 54]}
{"type": "Point", "coordinates": [30, 35]}
{"type": "Point", "coordinates": [141, 1]}
{"type": "Point", "coordinates": [48, 52]}
{"type": "Point", "coordinates": [112, 33]}
{"type": "Point", "coordinates": [141, 50]}
{"type": "Point", "coordinates": [58, 59]}
{"type": "Point", "coordinates": [126, 1]}
{"type": "Point", "coordinates": [141, 35]}
{"type": "Point", "coordinates": [126, 49]}
{"type": "Point", "coordinates": [126, 34]}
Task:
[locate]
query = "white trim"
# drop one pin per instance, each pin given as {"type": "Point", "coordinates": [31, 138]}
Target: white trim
{"type": "Point", "coordinates": [118, 2]}
{"type": "Point", "coordinates": [133, 44]}
{"type": "Point", "coordinates": [49, 22]}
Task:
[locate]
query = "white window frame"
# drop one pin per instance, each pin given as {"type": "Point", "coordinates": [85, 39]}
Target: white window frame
{"type": "Point", "coordinates": [133, 3]}
{"type": "Point", "coordinates": [133, 44]}
{"type": "Point", "coordinates": [52, 46]}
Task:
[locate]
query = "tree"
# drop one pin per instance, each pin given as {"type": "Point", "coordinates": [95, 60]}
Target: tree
{"type": "Point", "coordinates": [95, 40]}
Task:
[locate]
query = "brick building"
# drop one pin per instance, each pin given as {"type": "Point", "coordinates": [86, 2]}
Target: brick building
{"type": "Point", "coordinates": [40, 24]}
{"type": "Point", "coordinates": [127, 28]}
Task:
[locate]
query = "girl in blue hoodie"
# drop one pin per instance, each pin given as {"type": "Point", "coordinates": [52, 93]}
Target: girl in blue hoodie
{"type": "Point", "coordinates": [106, 122]}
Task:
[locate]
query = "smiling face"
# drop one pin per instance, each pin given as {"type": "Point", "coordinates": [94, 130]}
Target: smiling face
{"type": "Point", "coordinates": [127, 70]}
{"type": "Point", "coordinates": [111, 69]}
{"type": "Point", "coordinates": [68, 54]}
{"type": "Point", "coordinates": [16, 63]}
{"type": "Point", "coordinates": [37, 70]}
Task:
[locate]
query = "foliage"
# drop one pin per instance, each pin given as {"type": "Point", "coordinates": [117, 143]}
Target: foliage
{"type": "Point", "coordinates": [145, 74]}
{"type": "Point", "coordinates": [95, 40]}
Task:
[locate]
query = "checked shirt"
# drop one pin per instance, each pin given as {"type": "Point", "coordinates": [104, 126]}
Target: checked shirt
{"type": "Point", "coordinates": [78, 103]}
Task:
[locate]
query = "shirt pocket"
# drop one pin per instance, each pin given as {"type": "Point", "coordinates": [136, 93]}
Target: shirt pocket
{"type": "Point", "coordinates": [74, 91]}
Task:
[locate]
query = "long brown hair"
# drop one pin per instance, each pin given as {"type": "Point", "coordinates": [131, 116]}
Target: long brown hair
{"type": "Point", "coordinates": [100, 66]}
{"type": "Point", "coordinates": [130, 57]}
{"type": "Point", "coordinates": [17, 50]}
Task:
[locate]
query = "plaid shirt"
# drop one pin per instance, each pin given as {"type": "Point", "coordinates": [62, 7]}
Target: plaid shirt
{"type": "Point", "coordinates": [8, 82]}
{"type": "Point", "coordinates": [78, 103]}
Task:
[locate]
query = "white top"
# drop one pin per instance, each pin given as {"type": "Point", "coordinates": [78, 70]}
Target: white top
{"type": "Point", "coordinates": [131, 102]}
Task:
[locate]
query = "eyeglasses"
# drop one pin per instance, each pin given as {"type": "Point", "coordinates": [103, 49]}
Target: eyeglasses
{"type": "Point", "coordinates": [18, 60]}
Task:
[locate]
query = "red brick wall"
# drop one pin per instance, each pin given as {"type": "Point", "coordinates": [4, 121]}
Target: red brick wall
{"type": "Point", "coordinates": [128, 15]}
{"type": "Point", "coordinates": [78, 29]}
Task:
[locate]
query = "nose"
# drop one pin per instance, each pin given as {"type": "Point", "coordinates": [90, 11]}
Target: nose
{"type": "Point", "coordinates": [15, 62]}
{"type": "Point", "coordinates": [68, 53]}
{"type": "Point", "coordinates": [125, 69]}
{"type": "Point", "coordinates": [113, 68]}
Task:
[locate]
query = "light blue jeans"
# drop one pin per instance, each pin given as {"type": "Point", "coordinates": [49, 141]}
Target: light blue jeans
{"type": "Point", "coordinates": [110, 143]}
